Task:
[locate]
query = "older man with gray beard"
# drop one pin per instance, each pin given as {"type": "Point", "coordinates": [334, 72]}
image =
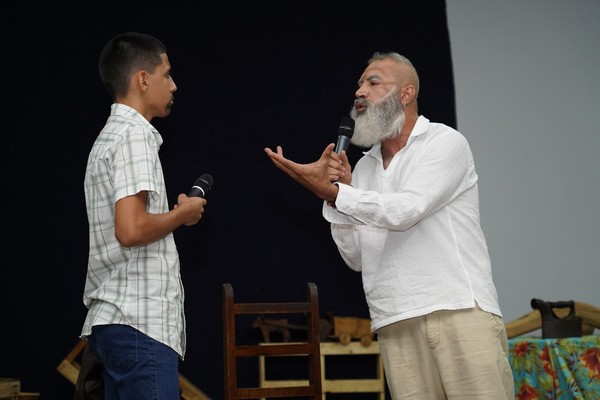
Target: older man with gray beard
{"type": "Point", "coordinates": [407, 217]}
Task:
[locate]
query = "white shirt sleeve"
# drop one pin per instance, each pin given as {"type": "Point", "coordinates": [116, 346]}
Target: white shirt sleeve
{"type": "Point", "coordinates": [344, 231]}
{"type": "Point", "coordinates": [443, 172]}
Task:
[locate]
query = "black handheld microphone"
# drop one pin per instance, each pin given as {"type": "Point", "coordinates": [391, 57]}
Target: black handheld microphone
{"type": "Point", "coordinates": [201, 186]}
{"type": "Point", "coordinates": [345, 132]}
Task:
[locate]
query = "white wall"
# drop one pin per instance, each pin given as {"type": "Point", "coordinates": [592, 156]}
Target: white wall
{"type": "Point", "coordinates": [527, 94]}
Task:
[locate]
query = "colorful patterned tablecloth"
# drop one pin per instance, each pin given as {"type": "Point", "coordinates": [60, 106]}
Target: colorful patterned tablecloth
{"type": "Point", "coordinates": [560, 369]}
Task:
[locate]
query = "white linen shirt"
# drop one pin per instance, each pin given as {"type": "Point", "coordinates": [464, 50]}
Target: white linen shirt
{"type": "Point", "coordinates": [413, 229]}
{"type": "Point", "coordinates": [138, 286]}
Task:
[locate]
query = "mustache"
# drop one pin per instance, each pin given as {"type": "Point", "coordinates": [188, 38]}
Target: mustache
{"type": "Point", "coordinates": [361, 101]}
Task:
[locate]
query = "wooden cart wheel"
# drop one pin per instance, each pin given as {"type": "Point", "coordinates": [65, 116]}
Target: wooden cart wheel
{"type": "Point", "coordinates": [366, 340]}
{"type": "Point", "coordinates": [345, 338]}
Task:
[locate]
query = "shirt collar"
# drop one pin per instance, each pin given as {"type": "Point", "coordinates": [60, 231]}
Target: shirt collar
{"type": "Point", "coordinates": [129, 112]}
{"type": "Point", "coordinates": [420, 128]}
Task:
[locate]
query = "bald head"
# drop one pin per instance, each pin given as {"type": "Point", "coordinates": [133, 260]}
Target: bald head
{"type": "Point", "coordinates": [406, 74]}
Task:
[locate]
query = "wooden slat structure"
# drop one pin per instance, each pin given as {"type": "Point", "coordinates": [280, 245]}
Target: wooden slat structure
{"type": "Point", "coordinates": [232, 350]}
{"type": "Point", "coordinates": [338, 385]}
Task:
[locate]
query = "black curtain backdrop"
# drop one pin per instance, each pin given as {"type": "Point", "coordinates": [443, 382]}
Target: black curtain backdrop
{"type": "Point", "coordinates": [250, 74]}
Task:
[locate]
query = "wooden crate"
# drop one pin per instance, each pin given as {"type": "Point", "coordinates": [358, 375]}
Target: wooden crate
{"type": "Point", "coordinates": [329, 349]}
{"type": "Point", "coordinates": [9, 388]}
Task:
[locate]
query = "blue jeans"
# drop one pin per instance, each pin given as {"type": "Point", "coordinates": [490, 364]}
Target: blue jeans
{"type": "Point", "coordinates": [135, 365]}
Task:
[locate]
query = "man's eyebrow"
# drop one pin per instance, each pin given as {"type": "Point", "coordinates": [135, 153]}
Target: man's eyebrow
{"type": "Point", "coordinates": [372, 77]}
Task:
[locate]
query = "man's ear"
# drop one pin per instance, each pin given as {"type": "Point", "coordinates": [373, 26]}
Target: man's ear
{"type": "Point", "coordinates": [142, 80]}
{"type": "Point", "coordinates": [407, 94]}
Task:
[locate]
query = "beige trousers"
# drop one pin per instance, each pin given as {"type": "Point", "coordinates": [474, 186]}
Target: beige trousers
{"type": "Point", "coordinates": [458, 355]}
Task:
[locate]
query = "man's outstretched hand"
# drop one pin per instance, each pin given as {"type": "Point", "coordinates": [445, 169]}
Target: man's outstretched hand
{"type": "Point", "coordinates": [314, 176]}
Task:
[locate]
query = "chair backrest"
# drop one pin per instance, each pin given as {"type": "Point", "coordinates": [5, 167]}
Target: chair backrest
{"type": "Point", "coordinates": [232, 350]}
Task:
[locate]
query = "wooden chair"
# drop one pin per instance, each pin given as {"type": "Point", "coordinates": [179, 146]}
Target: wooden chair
{"type": "Point", "coordinates": [232, 350]}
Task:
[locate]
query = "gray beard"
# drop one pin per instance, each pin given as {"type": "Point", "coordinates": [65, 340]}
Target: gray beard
{"type": "Point", "coordinates": [380, 121]}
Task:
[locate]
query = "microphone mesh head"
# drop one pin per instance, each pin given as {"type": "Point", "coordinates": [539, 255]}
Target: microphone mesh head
{"type": "Point", "coordinates": [208, 179]}
{"type": "Point", "coordinates": [346, 127]}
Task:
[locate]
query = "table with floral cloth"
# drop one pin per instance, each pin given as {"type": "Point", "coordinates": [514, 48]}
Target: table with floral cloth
{"type": "Point", "coordinates": [560, 369]}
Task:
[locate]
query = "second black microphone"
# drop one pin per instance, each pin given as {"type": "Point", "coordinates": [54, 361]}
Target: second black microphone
{"type": "Point", "coordinates": [202, 186]}
{"type": "Point", "coordinates": [345, 132]}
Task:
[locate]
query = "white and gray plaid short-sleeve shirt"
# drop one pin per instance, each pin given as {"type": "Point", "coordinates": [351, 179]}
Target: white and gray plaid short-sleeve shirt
{"type": "Point", "coordinates": [138, 286]}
